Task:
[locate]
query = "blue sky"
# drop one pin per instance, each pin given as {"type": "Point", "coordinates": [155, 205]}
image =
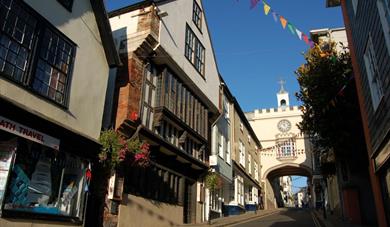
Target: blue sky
{"type": "Point", "coordinates": [253, 51]}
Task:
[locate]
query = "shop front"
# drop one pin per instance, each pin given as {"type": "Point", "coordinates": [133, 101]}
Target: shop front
{"type": "Point", "coordinates": [43, 173]}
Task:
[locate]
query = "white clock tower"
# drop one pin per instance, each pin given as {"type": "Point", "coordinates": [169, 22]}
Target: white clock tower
{"type": "Point", "coordinates": [282, 95]}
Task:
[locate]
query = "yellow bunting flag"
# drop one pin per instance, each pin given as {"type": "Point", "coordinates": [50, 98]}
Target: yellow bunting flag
{"type": "Point", "coordinates": [266, 8]}
{"type": "Point", "coordinates": [283, 21]}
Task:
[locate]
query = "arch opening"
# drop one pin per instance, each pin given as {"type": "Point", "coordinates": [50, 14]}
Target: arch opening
{"type": "Point", "coordinates": [281, 189]}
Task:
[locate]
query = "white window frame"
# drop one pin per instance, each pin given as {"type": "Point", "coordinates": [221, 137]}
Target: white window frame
{"type": "Point", "coordinates": [226, 108]}
{"type": "Point", "coordinates": [242, 153]}
{"type": "Point", "coordinates": [256, 171]}
{"type": "Point", "coordinates": [220, 144]}
{"type": "Point", "coordinates": [249, 163]}
{"type": "Point", "coordinates": [239, 190]}
{"type": "Point", "coordinates": [228, 153]}
{"type": "Point", "coordinates": [374, 81]}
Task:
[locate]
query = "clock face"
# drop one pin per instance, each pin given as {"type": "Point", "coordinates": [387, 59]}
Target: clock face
{"type": "Point", "coordinates": [284, 125]}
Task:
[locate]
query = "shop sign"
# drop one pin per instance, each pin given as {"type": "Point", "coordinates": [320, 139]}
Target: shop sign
{"type": "Point", "coordinates": [28, 133]}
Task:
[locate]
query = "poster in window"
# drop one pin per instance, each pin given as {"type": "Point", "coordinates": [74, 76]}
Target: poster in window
{"type": "Point", "coordinates": [7, 150]}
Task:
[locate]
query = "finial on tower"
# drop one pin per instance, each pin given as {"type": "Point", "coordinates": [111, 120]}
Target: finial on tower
{"type": "Point", "coordinates": [282, 83]}
{"type": "Point", "coordinates": [282, 95]}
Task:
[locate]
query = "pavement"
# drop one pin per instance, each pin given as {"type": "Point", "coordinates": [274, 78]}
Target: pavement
{"type": "Point", "coordinates": [251, 218]}
{"type": "Point", "coordinates": [331, 220]}
{"type": "Point", "coordinates": [236, 219]}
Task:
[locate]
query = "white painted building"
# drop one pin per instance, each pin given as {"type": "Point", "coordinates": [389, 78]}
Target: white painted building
{"type": "Point", "coordinates": [337, 35]}
{"type": "Point", "coordinates": [286, 151]}
{"type": "Point", "coordinates": [286, 190]}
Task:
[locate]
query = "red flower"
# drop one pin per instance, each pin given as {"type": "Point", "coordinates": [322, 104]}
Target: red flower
{"type": "Point", "coordinates": [145, 147]}
{"type": "Point", "coordinates": [88, 174]}
{"type": "Point", "coordinates": [133, 116]}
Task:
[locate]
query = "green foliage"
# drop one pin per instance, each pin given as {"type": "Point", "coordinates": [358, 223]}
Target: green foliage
{"type": "Point", "coordinates": [330, 108]}
{"type": "Point", "coordinates": [213, 181]}
{"type": "Point", "coordinates": [111, 145]}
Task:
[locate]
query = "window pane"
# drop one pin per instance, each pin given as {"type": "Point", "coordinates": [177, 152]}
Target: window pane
{"type": "Point", "coordinates": [53, 69]}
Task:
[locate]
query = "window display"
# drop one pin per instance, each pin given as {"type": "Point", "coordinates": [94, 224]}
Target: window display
{"type": "Point", "coordinates": [46, 181]}
{"type": "Point", "coordinates": [7, 151]}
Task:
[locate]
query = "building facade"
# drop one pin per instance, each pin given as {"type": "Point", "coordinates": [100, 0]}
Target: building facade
{"type": "Point", "coordinates": [246, 191]}
{"type": "Point", "coordinates": [167, 93]}
{"type": "Point", "coordinates": [50, 116]}
{"type": "Point", "coordinates": [367, 25]}
{"type": "Point", "coordinates": [220, 158]}
{"type": "Point", "coordinates": [285, 183]}
{"type": "Point", "coordinates": [286, 151]}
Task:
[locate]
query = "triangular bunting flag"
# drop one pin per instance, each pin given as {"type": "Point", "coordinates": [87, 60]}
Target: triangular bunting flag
{"type": "Point", "coordinates": [299, 33]}
{"type": "Point", "coordinates": [266, 8]}
{"type": "Point", "coordinates": [254, 3]}
{"type": "Point", "coordinates": [311, 43]}
{"type": "Point", "coordinates": [283, 21]}
{"type": "Point", "coordinates": [274, 14]}
{"type": "Point", "coordinates": [291, 27]}
{"type": "Point", "coordinates": [305, 38]}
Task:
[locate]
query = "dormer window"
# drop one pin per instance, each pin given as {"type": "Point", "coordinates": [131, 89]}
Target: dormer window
{"type": "Point", "coordinates": [197, 15]}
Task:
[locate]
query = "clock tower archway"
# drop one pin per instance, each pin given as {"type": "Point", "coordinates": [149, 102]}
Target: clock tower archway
{"type": "Point", "coordinates": [285, 149]}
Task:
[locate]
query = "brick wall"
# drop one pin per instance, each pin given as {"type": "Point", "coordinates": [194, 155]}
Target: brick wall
{"type": "Point", "coordinates": [129, 87]}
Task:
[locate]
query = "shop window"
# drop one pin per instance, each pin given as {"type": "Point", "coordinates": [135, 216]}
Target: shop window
{"type": "Point", "coordinates": [45, 181]}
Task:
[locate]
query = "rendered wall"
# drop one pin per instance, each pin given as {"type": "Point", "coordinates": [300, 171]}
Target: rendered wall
{"type": "Point", "coordinates": [87, 85]}
{"type": "Point", "coordinates": [137, 211]}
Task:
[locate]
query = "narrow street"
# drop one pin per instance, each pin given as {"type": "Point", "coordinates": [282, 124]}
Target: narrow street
{"type": "Point", "coordinates": [288, 217]}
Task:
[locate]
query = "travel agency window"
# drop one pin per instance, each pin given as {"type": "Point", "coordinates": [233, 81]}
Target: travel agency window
{"type": "Point", "coordinates": [37, 180]}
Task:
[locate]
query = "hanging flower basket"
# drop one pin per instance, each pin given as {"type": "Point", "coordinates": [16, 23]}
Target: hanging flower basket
{"type": "Point", "coordinates": [117, 150]}
{"type": "Point", "coordinates": [213, 181]}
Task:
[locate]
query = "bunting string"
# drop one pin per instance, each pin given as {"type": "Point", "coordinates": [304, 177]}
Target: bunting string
{"type": "Point", "coordinates": [284, 22]}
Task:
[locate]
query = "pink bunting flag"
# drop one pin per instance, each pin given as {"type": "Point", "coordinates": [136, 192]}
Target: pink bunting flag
{"type": "Point", "coordinates": [283, 21]}
{"type": "Point", "coordinates": [254, 3]}
{"type": "Point", "coordinates": [305, 38]}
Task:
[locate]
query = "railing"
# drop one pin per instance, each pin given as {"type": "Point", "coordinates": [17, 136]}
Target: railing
{"type": "Point", "coordinates": [286, 155]}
